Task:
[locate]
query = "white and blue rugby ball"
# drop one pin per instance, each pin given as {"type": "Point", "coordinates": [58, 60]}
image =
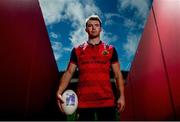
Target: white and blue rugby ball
{"type": "Point", "coordinates": [70, 102]}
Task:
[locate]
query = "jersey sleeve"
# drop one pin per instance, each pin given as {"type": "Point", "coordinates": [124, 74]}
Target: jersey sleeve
{"type": "Point", "coordinates": [114, 58]}
{"type": "Point", "coordinates": [73, 58]}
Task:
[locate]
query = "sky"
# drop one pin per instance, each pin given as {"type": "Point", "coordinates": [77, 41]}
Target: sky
{"type": "Point", "coordinates": [123, 22]}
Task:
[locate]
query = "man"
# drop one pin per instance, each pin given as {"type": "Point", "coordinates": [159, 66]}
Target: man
{"type": "Point", "coordinates": [94, 60]}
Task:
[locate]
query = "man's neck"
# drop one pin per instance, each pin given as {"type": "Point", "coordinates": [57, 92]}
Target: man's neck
{"type": "Point", "coordinates": [94, 41]}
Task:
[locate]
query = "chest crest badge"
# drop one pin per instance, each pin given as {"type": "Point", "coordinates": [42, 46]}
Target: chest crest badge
{"type": "Point", "coordinates": [105, 52]}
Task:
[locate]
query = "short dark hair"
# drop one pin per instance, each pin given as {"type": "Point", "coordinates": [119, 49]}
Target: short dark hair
{"type": "Point", "coordinates": [93, 17]}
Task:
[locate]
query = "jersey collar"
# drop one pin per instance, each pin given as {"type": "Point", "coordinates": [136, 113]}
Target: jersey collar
{"type": "Point", "coordinates": [95, 44]}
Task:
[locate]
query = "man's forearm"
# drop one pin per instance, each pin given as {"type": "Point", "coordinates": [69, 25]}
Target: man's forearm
{"type": "Point", "coordinates": [66, 78]}
{"type": "Point", "coordinates": [121, 89]}
{"type": "Point", "coordinates": [120, 85]}
{"type": "Point", "coordinates": [64, 82]}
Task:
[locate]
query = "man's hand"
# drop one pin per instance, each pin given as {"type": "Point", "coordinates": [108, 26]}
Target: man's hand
{"type": "Point", "coordinates": [121, 104]}
{"type": "Point", "coordinates": [60, 101]}
{"type": "Point", "coordinates": [65, 79]}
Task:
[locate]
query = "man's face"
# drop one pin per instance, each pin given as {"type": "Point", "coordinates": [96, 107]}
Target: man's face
{"type": "Point", "coordinates": [93, 28]}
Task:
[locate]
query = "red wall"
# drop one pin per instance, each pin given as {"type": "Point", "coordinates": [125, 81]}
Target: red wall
{"type": "Point", "coordinates": [28, 71]}
{"type": "Point", "coordinates": [152, 90]}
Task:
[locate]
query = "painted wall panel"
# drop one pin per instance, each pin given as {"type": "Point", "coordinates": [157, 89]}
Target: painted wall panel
{"type": "Point", "coordinates": [168, 19]}
{"type": "Point", "coordinates": [154, 73]}
{"type": "Point", "coordinates": [28, 71]}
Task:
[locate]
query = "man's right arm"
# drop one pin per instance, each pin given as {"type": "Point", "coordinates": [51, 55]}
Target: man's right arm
{"type": "Point", "coordinates": [66, 78]}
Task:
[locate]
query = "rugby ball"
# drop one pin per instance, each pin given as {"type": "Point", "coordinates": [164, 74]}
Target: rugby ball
{"type": "Point", "coordinates": [70, 102]}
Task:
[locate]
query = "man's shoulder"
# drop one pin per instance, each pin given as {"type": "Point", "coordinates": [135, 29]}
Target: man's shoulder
{"type": "Point", "coordinates": [107, 46]}
{"type": "Point", "coordinates": [80, 46]}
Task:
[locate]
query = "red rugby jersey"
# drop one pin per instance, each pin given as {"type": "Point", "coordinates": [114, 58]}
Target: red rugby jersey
{"type": "Point", "coordinates": [94, 63]}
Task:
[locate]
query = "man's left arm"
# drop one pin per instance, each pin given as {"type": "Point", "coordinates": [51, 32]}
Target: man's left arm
{"type": "Point", "coordinates": [120, 85]}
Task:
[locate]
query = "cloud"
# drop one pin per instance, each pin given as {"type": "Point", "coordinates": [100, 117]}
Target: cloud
{"type": "Point", "coordinates": [56, 45]}
{"type": "Point", "coordinates": [110, 15]}
{"type": "Point", "coordinates": [67, 49]}
{"type": "Point", "coordinates": [140, 12]}
{"type": "Point", "coordinates": [53, 35]}
{"type": "Point", "coordinates": [135, 23]}
{"type": "Point", "coordinates": [108, 37]}
{"type": "Point", "coordinates": [69, 10]}
{"type": "Point", "coordinates": [131, 45]}
{"type": "Point", "coordinates": [129, 23]}
{"type": "Point", "coordinates": [78, 36]}
{"type": "Point", "coordinates": [109, 18]}
{"type": "Point", "coordinates": [57, 49]}
{"type": "Point", "coordinates": [52, 10]}
{"type": "Point", "coordinates": [141, 6]}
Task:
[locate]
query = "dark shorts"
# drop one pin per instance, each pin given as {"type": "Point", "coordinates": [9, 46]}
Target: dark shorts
{"type": "Point", "coordinates": [100, 114]}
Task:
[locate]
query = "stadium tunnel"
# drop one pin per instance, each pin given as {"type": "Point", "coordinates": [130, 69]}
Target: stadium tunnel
{"type": "Point", "coordinates": [29, 74]}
